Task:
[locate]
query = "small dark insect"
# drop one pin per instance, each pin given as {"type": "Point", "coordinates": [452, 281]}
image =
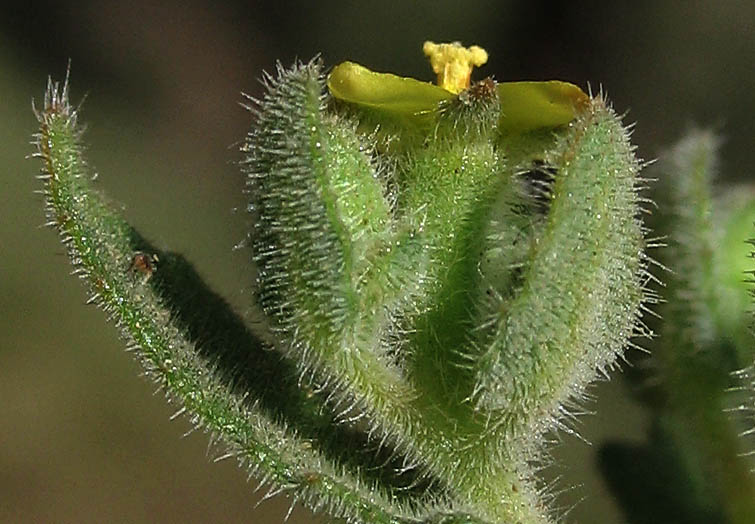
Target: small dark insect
{"type": "Point", "coordinates": [143, 263]}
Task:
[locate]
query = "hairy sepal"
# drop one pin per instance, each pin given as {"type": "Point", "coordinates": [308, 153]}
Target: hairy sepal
{"type": "Point", "coordinates": [581, 288]}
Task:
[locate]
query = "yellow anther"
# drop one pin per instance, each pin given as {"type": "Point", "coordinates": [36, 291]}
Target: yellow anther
{"type": "Point", "coordinates": [453, 63]}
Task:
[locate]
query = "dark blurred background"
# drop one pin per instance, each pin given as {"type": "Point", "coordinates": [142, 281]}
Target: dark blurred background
{"type": "Point", "coordinates": [82, 436]}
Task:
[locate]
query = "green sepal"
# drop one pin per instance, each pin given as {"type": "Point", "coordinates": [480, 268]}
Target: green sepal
{"type": "Point", "coordinates": [575, 307]}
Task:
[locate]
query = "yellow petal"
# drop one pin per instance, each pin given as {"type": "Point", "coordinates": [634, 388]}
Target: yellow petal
{"type": "Point", "coordinates": [526, 106]}
{"type": "Point", "coordinates": [354, 83]}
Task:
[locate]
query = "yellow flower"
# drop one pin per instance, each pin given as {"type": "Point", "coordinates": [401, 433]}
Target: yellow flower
{"type": "Point", "coordinates": [525, 106]}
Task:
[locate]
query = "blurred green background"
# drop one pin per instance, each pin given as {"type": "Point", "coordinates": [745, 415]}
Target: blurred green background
{"type": "Point", "coordinates": [82, 436]}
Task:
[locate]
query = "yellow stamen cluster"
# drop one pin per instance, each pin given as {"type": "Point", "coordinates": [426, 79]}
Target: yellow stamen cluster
{"type": "Point", "coordinates": [453, 63]}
